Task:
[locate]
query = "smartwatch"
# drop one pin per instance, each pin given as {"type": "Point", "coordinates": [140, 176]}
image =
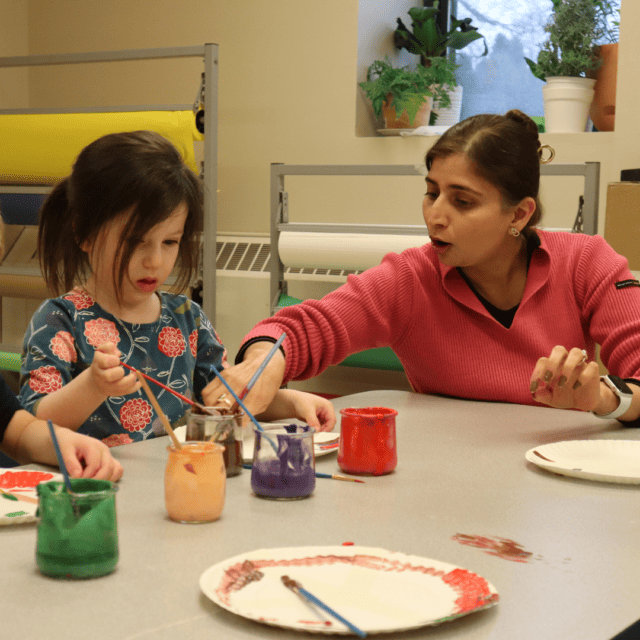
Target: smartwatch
{"type": "Point", "coordinates": [624, 393]}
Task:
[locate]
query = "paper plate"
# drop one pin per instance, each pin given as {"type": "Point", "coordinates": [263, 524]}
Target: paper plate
{"type": "Point", "coordinates": [376, 590]}
{"type": "Point", "coordinates": [602, 460]}
{"type": "Point", "coordinates": [21, 483]}
{"type": "Point", "coordinates": [324, 442]}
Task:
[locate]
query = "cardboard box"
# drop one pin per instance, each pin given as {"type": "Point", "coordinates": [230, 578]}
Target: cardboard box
{"type": "Point", "coordinates": [622, 221]}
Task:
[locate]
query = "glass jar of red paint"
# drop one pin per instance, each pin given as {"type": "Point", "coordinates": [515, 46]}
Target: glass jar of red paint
{"type": "Point", "coordinates": [368, 441]}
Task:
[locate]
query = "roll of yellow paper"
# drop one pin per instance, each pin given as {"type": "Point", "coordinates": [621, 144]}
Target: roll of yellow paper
{"type": "Point", "coordinates": [41, 148]}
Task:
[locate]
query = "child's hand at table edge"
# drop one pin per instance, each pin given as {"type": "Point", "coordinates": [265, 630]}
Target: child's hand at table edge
{"type": "Point", "coordinates": [87, 457]}
{"type": "Point", "coordinates": [316, 411]}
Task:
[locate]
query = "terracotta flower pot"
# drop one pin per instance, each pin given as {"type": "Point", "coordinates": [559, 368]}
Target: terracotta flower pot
{"type": "Point", "coordinates": [603, 108]}
{"type": "Point", "coordinates": [392, 121]}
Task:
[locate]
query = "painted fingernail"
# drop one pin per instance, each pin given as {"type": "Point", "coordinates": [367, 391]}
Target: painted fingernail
{"type": "Point", "coordinates": [533, 386]}
{"type": "Point", "coordinates": [562, 381]}
{"type": "Point", "coordinates": [577, 385]}
{"type": "Point", "coordinates": [547, 376]}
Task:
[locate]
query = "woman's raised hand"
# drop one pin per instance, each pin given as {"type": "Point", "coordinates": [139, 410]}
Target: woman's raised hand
{"type": "Point", "coordinates": [566, 380]}
{"type": "Point", "coordinates": [265, 387]}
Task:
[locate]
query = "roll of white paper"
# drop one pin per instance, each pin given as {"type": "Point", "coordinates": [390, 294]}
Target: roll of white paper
{"type": "Point", "coordinates": [352, 251]}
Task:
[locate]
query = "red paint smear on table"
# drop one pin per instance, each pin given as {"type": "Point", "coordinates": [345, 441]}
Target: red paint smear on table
{"type": "Point", "coordinates": [495, 546]}
{"type": "Point", "coordinates": [15, 479]}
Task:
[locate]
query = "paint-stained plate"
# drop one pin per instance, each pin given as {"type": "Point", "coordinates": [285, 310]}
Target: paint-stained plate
{"type": "Point", "coordinates": [376, 590]}
{"type": "Point", "coordinates": [600, 460]}
{"type": "Point", "coordinates": [20, 506]}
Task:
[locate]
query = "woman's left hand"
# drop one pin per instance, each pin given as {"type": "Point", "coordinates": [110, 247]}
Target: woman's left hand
{"type": "Point", "coordinates": [565, 380]}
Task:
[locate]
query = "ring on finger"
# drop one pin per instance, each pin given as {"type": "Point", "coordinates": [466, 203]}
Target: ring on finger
{"type": "Point", "coordinates": [584, 358]}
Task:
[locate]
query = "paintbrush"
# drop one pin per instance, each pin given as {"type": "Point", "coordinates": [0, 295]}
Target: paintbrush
{"type": "Point", "coordinates": [159, 411]}
{"type": "Point", "coordinates": [197, 405]}
{"type": "Point", "coordinates": [259, 370]}
{"type": "Point", "coordinates": [296, 587]}
{"type": "Point", "coordinates": [333, 476]}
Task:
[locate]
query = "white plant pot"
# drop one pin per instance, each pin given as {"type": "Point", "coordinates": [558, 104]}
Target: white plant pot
{"type": "Point", "coordinates": [566, 104]}
{"type": "Point", "coordinates": [451, 115]}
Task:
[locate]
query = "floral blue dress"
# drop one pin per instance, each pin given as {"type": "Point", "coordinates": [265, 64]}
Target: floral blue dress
{"type": "Point", "coordinates": [177, 350]}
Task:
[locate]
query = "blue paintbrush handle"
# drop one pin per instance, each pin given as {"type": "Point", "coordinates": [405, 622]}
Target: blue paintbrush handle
{"type": "Point", "coordinates": [329, 610]}
{"type": "Point", "coordinates": [265, 362]}
{"type": "Point", "coordinates": [56, 446]}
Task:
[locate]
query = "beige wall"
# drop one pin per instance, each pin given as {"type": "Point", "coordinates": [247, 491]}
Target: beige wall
{"type": "Point", "coordinates": [287, 94]}
{"type": "Point", "coordinates": [14, 88]}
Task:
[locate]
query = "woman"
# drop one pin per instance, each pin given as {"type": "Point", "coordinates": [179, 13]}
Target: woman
{"type": "Point", "coordinates": [492, 309]}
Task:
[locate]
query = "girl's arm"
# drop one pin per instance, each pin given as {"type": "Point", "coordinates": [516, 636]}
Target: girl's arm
{"type": "Point", "coordinates": [71, 405]}
{"type": "Point", "coordinates": [317, 412]}
{"type": "Point", "coordinates": [27, 439]}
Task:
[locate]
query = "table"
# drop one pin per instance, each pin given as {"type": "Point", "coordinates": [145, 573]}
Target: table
{"type": "Point", "coordinates": [461, 470]}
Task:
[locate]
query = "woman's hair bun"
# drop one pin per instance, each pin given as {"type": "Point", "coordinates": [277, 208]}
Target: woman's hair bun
{"type": "Point", "coordinates": [525, 121]}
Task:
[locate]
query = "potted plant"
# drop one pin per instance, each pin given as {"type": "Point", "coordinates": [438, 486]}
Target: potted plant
{"type": "Point", "coordinates": [431, 42]}
{"type": "Point", "coordinates": [567, 57]}
{"type": "Point", "coordinates": [403, 96]}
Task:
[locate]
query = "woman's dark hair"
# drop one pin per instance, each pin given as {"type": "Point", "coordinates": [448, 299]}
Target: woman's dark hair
{"type": "Point", "coordinates": [139, 171]}
{"type": "Point", "coordinates": [505, 151]}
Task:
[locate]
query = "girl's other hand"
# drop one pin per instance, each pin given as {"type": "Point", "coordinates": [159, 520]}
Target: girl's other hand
{"type": "Point", "coordinates": [86, 457]}
{"type": "Point", "coordinates": [316, 411]}
{"type": "Point", "coordinates": [565, 380]}
{"type": "Point", "coordinates": [108, 376]}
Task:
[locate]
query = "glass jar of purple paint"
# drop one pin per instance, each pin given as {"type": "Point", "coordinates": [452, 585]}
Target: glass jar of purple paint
{"type": "Point", "coordinates": [283, 463]}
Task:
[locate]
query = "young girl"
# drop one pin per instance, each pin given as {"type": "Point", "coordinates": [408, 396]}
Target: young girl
{"type": "Point", "coordinates": [110, 235]}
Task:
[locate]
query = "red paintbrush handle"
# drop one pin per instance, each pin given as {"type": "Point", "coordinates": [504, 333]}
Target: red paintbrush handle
{"type": "Point", "coordinates": [164, 386]}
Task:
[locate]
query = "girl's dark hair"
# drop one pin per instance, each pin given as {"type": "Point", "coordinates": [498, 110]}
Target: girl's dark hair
{"type": "Point", "coordinates": [505, 151]}
{"type": "Point", "coordinates": [138, 170]}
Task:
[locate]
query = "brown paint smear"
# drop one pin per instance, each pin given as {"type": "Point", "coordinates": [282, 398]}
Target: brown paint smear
{"type": "Point", "coordinates": [495, 546]}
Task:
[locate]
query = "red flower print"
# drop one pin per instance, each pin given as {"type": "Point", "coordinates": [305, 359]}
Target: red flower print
{"type": "Point", "coordinates": [100, 331]}
{"type": "Point", "coordinates": [135, 414]}
{"type": "Point", "coordinates": [193, 342]}
{"type": "Point", "coordinates": [116, 439]}
{"type": "Point", "coordinates": [62, 346]}
{"type": "Point", "coordinates": [45, 379]}
{"type": "Point", "coordinates": [171, 342]}
{"type": "Point", "coordinates": [80, 298]}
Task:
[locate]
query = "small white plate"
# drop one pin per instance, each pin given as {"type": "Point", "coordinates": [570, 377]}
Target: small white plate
{"type": "Point", "coordinates": [21, 483]}
{"type": "Point", "coordinates": [601, 460]}
{"type": "Point", "coordinates": [376, 590]}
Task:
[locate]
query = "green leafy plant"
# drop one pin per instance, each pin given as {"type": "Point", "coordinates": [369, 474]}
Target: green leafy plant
{"type": "Point", "coordinates": [574, 31]}
{"type": "Point", "coordinates": [428, 40]}
{"type": "Point", "coordinates": [405, 88]}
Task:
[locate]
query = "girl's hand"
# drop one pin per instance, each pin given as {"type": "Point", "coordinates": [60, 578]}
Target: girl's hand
{"type": "Point", "coordinates": [266, 386]}
{"type": "Point", "coordinates": [86, 457]}
{"type": "Point", "coordinates": [317, 412]}
{"type": "Point", "coordinates": [107, 376]}
{"type": "Point", "coordinates": [565, 380]}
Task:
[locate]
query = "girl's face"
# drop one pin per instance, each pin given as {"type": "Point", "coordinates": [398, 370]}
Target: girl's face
{"type": "Point", "coordinates": [150, 265]}
{"type": "Point", "coordinates": [464, 213]}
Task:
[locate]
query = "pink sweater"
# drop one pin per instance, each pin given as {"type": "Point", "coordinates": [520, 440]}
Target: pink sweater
{"type": "Point", "coordinates": [448, 342]}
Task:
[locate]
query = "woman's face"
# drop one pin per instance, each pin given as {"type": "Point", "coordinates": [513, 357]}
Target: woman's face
{"type": "Point", "coordinates": [467, 221]}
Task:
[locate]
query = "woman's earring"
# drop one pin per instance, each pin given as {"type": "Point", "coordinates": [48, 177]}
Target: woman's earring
{"type": "Point", "coordinates": [514, 232]}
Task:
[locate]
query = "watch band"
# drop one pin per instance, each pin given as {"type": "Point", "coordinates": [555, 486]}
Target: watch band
{"type": "Point", "coordinates": [624, 393]}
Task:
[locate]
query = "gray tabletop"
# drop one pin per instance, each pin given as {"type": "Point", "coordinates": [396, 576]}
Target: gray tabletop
{"type": "Point", "coordinates": [461, 472]}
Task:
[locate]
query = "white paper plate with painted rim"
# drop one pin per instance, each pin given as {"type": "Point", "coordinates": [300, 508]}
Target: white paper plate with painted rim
{"type": "Point", "coordinates": [21, 504]}
{"type": "Point", "coordinates": [324, 442]}
{"type": "Point", "coordinates": [376, 590]}
{"type": "Point", "coordinates": [602, 460]}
